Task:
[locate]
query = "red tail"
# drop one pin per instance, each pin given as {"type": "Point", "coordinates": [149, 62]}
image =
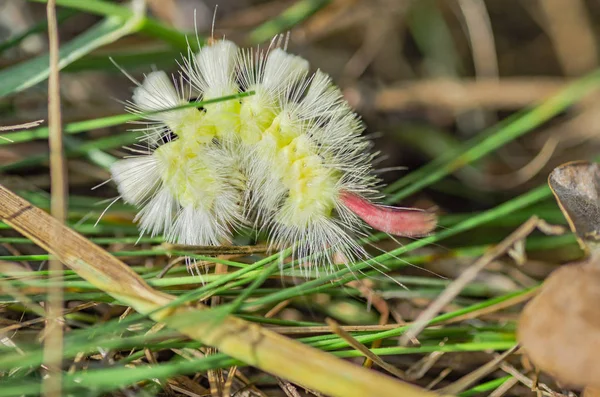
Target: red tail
{"type": "Point", "coordinates": [409, 222]}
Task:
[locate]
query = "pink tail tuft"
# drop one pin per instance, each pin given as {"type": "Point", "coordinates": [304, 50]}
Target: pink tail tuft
{"type": "Point", "coordinates": [409, 222]}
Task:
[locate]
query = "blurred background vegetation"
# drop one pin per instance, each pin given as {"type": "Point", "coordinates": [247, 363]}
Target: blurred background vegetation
{"type": "Point", "coordinates": [471, 104]}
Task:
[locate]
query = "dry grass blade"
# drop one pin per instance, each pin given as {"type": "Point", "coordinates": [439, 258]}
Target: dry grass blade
{"type": "Point", "coordinates": [242, 340]}
{"type": "Point", "coordinates": [53, 342]}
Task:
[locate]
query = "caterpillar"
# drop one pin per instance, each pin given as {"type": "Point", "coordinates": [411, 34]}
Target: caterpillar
{"type": "Point", "coordinates": [291, 160]}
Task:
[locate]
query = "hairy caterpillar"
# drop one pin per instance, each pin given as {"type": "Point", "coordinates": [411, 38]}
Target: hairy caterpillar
{"type": "Point", "coordinates": [291, 158]}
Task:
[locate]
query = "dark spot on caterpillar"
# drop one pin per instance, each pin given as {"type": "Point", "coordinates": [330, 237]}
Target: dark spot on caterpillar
{"type": "Point", "coordinates": [168, 136]}
{"type": "Point", "coordinates": [216, 142]}
{"type": "Point", "coordinates": [197, 99]}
